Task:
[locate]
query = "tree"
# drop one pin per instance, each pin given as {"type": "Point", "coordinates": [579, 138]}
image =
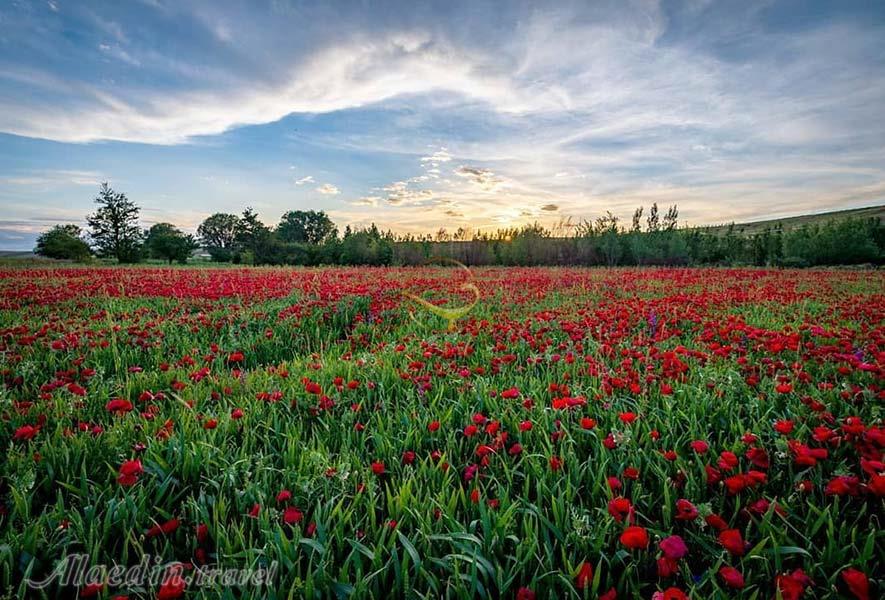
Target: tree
{"type": "Point", "coordinates": [63, 242]}
{"type": "Point", "coordinates": [637, 215]}
{"type": "Point", "coordinates": [218, 234]}
{"type": "Point", "coordinates": [653, 221]}
{"type": "Point", "coordinates": [671, 218]}
{"type": "Point", "coordinates": [252, 236]}
{"type": "Point", "coordinates": [306, 227]}
{"type": "Point", "coordinates": [167, 242]}
{"type": "Point", "coordinates": [114, 226]}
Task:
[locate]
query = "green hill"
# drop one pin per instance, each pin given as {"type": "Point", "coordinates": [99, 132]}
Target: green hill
{"type": "Point", "coordinates": [788, 223]}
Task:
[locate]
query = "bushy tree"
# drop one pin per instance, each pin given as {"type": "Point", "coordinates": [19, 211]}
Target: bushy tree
{"type": "Point", "coordinates": [218, 234]}
{"type": "Point", "coordinates": [114, 226]}
{"type": "Point", "coordinates": [253, 237]}
{"type": "Point", "coordinates": [167, 242]}
{"type": "Point", "coordinates": [306, 227]}
{"type": "Point", "coordinates": [63, 242]}
{"type": "Point", "coordinates": [366, 247]}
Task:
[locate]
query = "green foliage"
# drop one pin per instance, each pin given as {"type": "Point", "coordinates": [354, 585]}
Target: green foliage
{"type": "Point", "coordinates": [218, 234]}
{"type": "Point", "coordinates": [63, 242]}
{"type": "Point", "coordinates": [308, 227]}
{"type": "Point", "coordinates": [114, 226]}
{"type": "Point", "coordinates": [167, 242]}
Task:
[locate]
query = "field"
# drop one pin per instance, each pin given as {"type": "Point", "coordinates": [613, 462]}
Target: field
{"type": "Point", "coordinates": [580, 433]}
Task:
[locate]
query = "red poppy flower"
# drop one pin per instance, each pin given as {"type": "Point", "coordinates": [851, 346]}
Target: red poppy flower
{"type": "Point", "coordinates": [292, 516]}
{"type": "Point", "coordinates": [25, 433]}
{"type": "Point", "coordinates": [667, 567]}
{"type": "Point", "coordinates": [857, 583]}
{"type": "Point", "coordinates": [584, 576]}
{"type": "Point", "coordinates": [731, 577]}
{"type": "Point", "coordinates": [635, 538]}
{"type": "Point", "coordinates": [699, 446]}
{"type": "Point", "coordinates": [378, 467]}
{"type": "Point", "coordinates": [162, 528]}
{"type": "Point", "coordinates": [673, 547]}
{"type": "Point", "coordinates": [172, 587]}
{"type": "Point", "coordinates": [525, 593]}
{"type": "Point", "coordinates": [129, 472]}
{"type": "Point", "coordinates": [685, 510]}
{"type": "Point", "coordinates": [732, 541]}
{"type": "Point", "coordinates": [783, 427]}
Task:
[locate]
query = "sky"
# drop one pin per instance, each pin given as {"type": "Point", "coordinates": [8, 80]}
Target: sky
{"type": "Point", "coordinates": [422, 115]}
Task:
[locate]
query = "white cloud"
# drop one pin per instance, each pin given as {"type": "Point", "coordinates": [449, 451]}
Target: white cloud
{"type": "Point", "coordinates": [303, 180]}
{"type": "Point", "coordinates": [328, 189]}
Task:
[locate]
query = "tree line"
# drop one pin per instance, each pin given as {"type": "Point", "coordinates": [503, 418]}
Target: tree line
{"type": "Point", "coordinates": [311, 238]}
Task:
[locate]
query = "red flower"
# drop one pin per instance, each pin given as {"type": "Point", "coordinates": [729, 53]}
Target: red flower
{"type": "Point", "coordinates": [685, 510]}
{"type": "Point", "coordinates": [857, 582]}
{"type": "Point", "coordinates": [784, 427]}
{"type": "Point", "coordinates": [202, 533]}
{"type": "Point", "coordinates": [25, 433]}
{"type": "Point", "coordinates": [587, 423]}
{"type": "Point", "coordinates": [91, 590]}
{"type": "Point", "coordinates": [672, 593]}
{"type": "Point", "coordinates": [667, 567]}
{"type": "Point", "coordinates": [119, 406]}
{"type": "Point", "coordinates": [172, 587]}
{"type": "Point", "coordinates": [292, 516]}
{"type": "Point", "coordinates": [236, 357]}
{"type": "Point", "coordinates": [525, 593]}
{"type": "Point", "coordinates": [129, 472]}
{"type": "Point", "coordinates": [627, 417]}
{"type": "Point", "coordinates": [236, 413]}
{"type": "Point", "coordinates": [284, 496]}
{"type": "Point", "coordinates": [699, 446]}
{"type": "Point", "coordinates": [162, 529]}
{"type": "Point", "coordinates": [635, 538]}
{"type": "Point", "coordinates": [584, 576]}
{"type": "Point", "coordinates": [732, 577]}
{"type": "Point", "coordinates": [619, 508]}
{"type": "Point", "coordinates": [792, 585]}
{"type": "Point", "coordinates": [378, 467]}
{"type": "Point", "coordinates": [433, 426]}
{"type": "Point", "coordinates": [784, 388]}
{"type": "Point", "coordinates": [843, 485]}
{"type": "Point", "coordinates": [673, 547]}
{"type": "Point", "coordinates": [732, 541]}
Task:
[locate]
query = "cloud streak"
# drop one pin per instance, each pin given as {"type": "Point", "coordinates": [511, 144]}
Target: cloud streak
{"type": "Point", "coordinates": [477, 112]}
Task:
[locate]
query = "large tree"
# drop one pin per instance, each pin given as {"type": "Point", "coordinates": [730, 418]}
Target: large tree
{"type": "Point", "coordinates": [114, 226]}
{"type": "Point", "coordinates": [63, 242]}
{"type": "Point", "coordinates": [306, 226]}
{"type": "Point", "coordinates": [252, 235]}
{"type": "Point", "coordinates": [165, 241]}
{"type": "Point", "coordinates": [218, 234]}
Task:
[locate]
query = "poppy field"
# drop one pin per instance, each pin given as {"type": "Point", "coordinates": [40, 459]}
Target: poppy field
{"type": "Point", "coordinates": [579, 433]}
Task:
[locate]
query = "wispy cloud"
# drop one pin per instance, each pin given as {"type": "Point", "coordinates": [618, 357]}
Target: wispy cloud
{"type": "Point", "coordinates": [498, 115]}
{"type": "Point", "coordinates": [328, 189]}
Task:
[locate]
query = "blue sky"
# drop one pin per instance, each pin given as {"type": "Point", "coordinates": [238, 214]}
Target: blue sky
{"type": "Point", "coordinates": [421, 115]}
